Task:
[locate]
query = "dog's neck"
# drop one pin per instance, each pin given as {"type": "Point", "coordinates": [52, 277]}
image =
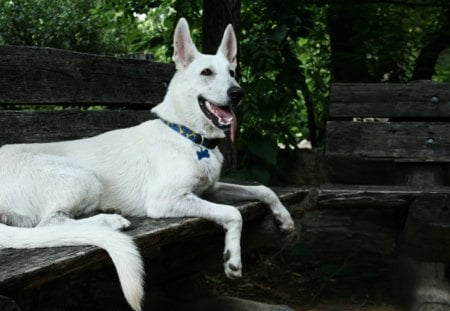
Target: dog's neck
{"type": "Point", "coordinates": [191, 135]}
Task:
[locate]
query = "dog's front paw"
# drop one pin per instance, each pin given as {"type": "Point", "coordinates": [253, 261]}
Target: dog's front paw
{"type": "Point", "coordinates": [287, 225]}
{"type": "Point", "coordinates": [284, 221]}
{"type": "Point", "coordinates": [232, 265]}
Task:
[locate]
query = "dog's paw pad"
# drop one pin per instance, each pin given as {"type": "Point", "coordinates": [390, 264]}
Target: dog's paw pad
{"type": "Point", "coordinates": [233, 266]}
{"type": "Point", "coordinates": [233, 271]}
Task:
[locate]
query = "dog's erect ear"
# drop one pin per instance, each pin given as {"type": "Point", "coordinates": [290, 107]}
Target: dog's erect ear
{"type": "Point", "coordinates": [228, 47]}
{"type": "Point", "coordinates": [184, 49]}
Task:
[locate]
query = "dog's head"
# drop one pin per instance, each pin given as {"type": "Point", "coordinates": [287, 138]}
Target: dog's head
{"type": "Point", "coordinates": [203, 92]}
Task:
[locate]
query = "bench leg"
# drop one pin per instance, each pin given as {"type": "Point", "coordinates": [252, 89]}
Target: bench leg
{"type": "Point", "coordinates": [426, 238]}
{"type": "Point", "coordinates": [431, 290]}
{"type": "Point", "coordinates": [7, 304]}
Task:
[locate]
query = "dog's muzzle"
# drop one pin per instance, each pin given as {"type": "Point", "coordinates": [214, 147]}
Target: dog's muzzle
{"type": "Point", "coordinates": [222, 115]}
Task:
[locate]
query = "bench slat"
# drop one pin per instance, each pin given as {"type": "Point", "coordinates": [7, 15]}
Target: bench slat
{"type": "Point", "coordinates": [397, 141]}
{"type": "Point", "coordinates": [31, 75]}
{"type": "Point", "coordinates": [364, 196]}
{"type": "Point", "coordinates": [47, 126]}
{"type": "Point", "coordinates": [412, 100]}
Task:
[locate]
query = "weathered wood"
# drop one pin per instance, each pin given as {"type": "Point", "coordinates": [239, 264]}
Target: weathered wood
{"type": "Point", "coordinates": [412, 148]}
{"type": "Point", "coordinates": [427, 228]}
{"type": "Point", "coordinates": [424, 175]}
{"type": "Point", "coordinates": [342, 170]}
{"type": "Point", "coordinates": [362, 196]}
{"type": "Point", "coordinates": [31, 75]}
{"type": "Point", "coordinates": [412, 100]}
{"type": "Point", "coordinates": [351, 230]}
{"type": "Point", "coordinates": [370, 215]}
{"type": "Point", "coordinates": [342, 219]}
{"type": "Point", "coordinates": [354, 229]}
{"type": "Point", "coordinates": [32, 127]}
{"type": "Point", "coordinates": [396, 141]}
{"type": "Point", "coordinates": [32, 267]}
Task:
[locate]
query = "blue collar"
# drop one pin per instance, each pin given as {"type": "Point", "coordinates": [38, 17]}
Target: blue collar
{"type": "Point", "coordinates": [192, 136]}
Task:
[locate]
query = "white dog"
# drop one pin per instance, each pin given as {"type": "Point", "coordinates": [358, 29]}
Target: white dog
{"type": "Point", "coordinates": [156, 169]}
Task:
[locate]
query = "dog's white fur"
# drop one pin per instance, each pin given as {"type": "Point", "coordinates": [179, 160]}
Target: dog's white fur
{"type": "Point", "coordinates": [146, 170]}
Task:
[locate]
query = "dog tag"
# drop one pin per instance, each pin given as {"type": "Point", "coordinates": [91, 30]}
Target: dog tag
{"type": "Point", "coordinates": [203, 153]}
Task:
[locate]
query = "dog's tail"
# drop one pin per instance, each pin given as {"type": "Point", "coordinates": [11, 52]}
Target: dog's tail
{"type": "Point", "coordinates": [119, 246]}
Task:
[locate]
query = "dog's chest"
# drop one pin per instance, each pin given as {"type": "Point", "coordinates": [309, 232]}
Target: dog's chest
{"type": "Point", "coordinates": [206, 164]}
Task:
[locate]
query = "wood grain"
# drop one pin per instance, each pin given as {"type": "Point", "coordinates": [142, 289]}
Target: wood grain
{"type": "Point", "coordinates": [31, 75]}
{"type": "Point", "coordinates": [47, 126]}
{"type": "Point", "coordinates": [413, 100]}
{"type": "Point", "coordinates": [396, 141]}
{"type": "Point", "coordinates": [362, 196]}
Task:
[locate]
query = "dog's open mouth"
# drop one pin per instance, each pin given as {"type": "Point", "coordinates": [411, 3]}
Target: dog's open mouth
{"type": "Point", "coordinates": [222, 117]}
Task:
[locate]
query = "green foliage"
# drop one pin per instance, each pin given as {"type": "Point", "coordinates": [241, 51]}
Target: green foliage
{"type": "Point", "coordinates": [443, 67]}
{"type": "Point", "coordinates": [283, 45]}
{"type": "Point", "coordinates": [62, 24]}
{"type": "Point", "coordinates": [390, 37]}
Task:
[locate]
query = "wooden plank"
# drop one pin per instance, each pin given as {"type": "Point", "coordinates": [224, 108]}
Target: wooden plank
{"type": "Point", "coordinates": [335, 233]}
{"type": "Point", "coordinates": [32, 127]}
{"type": "Point", "coordinates": [412, 100]}
{"type": "Point", "coordinates": [342, 170]}
{"type": "Point", "coordinates": [343, 219]}
{"type": "Point", "coordinates": [398, 141]}
{"type": "Point", "coordinates": [362, 196]}
{"type": "Point", "coordinates": [32, 267]}
{"type": "Point", "coordinates": [427, 229]}
{"type": "Point", "coordinates": [31, 75]}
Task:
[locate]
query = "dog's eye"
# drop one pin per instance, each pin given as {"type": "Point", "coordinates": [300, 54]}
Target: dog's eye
{"type": "Point", "coordinates": [232, 73]}
{"type": "Point", "coordinates": [206, 72]}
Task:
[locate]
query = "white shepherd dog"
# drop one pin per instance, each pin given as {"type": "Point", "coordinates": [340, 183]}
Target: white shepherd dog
{"type": "Point", "coordinates": [156, 169]}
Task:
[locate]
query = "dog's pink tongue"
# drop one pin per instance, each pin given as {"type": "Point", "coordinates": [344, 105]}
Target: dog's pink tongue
{"type": "Point", "coordinates": [233, 126]}
{"type": "Point", "coordinates": [226, 117]}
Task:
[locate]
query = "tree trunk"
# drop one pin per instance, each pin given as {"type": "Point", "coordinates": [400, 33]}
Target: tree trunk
{"type": "Point", "coordinates": [348, 60]}
{"type": "Point", "coordinates": [217, 14]}
{"type": "Point", "coordinates": [426, 62]}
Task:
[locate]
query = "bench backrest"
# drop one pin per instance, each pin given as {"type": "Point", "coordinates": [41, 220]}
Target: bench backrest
{"type": "Point", "coordinates": [124, 88]}
{"type": "Point", "coordinates": [417, 129]}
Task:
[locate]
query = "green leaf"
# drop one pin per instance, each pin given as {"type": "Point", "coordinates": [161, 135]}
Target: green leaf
{"type": "Point", "coordinates": [280, 33]}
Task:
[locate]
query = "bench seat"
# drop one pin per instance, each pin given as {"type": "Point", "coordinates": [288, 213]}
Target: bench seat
{"type": "Point", "coordinates": [26, 268]}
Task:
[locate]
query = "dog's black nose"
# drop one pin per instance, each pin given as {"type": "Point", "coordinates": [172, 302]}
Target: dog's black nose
{"type": "Point", "coordinates": [235, 93]}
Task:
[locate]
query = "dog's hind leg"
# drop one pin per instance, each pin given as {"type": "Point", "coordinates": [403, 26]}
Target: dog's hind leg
{"type": "Point", "coordinates": [189, 205]}
{"type": "Point", "coordinates": [113, 221]}
{"type": "Point", "coordinates": [226, 192]}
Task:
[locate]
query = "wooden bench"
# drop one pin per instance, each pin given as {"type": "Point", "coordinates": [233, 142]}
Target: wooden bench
{"type": "Point", "coordinates": [387, 160]}
{"type": "Point", "coordinates": [71, 95]}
